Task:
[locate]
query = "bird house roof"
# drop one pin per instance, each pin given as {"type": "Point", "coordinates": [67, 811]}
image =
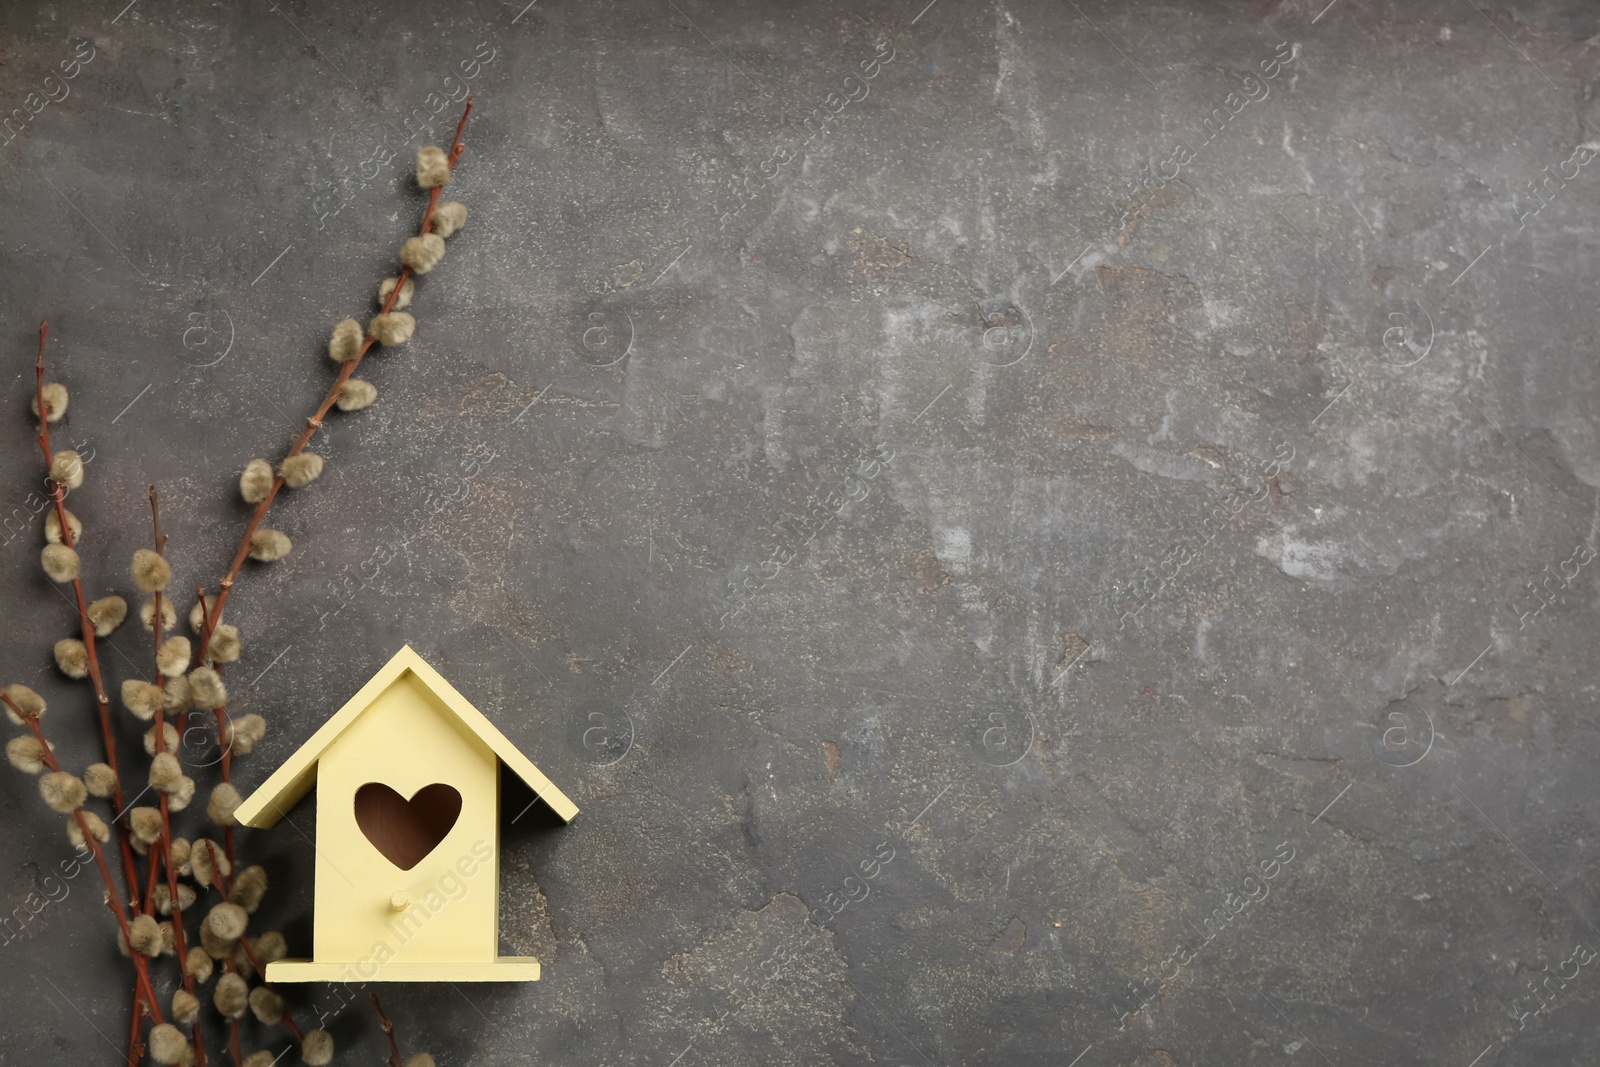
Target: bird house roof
{"type": "Point", "coordinates": [284, 788]}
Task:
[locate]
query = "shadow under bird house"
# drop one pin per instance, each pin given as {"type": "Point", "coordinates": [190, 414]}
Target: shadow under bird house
{"type": "Point", "coordinates": [408, 834]}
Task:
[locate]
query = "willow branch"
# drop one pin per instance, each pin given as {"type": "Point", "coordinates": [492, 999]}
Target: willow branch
{"type": "Point", "coordinates": [113, 900]}
{"type": "Point", "coordinates": [394, 1059]}
{"type": "Point", "coordinates": [135, 1046]}
{"type": "Point", "coordinates": [288, 1022]}
{"type": "Point", "coordinates": [102, 702]}
{"type": "Point", "coordinates": [314, 423]}
{"type": "Point", "coordinates": [249, 953]}
{"type": "Point", "coordinates": [179, 941]}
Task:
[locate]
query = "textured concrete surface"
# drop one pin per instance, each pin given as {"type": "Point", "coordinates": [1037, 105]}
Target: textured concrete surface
{"type": "Point", "coordinates": [1068, 475]}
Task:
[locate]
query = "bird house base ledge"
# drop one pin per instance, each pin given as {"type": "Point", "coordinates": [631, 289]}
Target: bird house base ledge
{"type": "Point", "coordinates": [503, 969]}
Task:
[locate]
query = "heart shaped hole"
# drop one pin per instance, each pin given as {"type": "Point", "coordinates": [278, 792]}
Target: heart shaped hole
{"type": "Point", "coordinates": [405, 831]}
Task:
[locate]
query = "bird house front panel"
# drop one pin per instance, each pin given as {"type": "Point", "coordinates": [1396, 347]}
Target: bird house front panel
{"type": "Point", "coordinates": [407, 838]}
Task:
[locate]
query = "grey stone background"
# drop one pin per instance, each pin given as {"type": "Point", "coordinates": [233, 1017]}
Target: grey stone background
{"type": "Point", "coordinates": [675, 330]}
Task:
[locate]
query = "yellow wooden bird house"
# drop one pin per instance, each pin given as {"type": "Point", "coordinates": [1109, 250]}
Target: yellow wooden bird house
{"type": "Point", "coordinates": [408, 834]}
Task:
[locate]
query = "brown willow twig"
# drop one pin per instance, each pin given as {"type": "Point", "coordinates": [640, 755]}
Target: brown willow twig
{"type": "Point", "coordinates": [141, 962]}
{"type": "Point", "coordinates": [113, 901]}
{"type": "Point", "coordinates": [150, 886]}
{"type": "Point", "coordinates": [224, 743]}
{"type": "Point", "coordinates": [288, 1021]}
{"type": "Point", "coordinates": [234, 1048]}
{"type": "Point", "coordinates": [249, 953]}
{"type": "Point", "coordinates": [102, 703]}
{"type": "Point", "coordinates": [179, 949]}
{"type": "Point", "coordinates": [388, 1031]}
{"type": "Point", "coordinates": [135, 1046]}
{"type": "Point", "coordinates": [179, 945]}
{"type": "Point", "coordinates": [161, 723]}
{"type": "Point", "coordinates": [221, 712]}
{"type": "Point", "coordinates": [315, 421]}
